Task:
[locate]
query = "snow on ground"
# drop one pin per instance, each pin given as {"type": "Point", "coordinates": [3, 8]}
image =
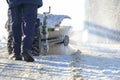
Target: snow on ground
{"type": "Point", "coordinates": [100, 61]}
{"type": "Point", "coordinates": [50, 67]}
{"type": "Point", "coordinates": [96, 62]}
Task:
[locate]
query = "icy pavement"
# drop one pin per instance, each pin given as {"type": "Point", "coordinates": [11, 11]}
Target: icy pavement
{"type": "Point", "coordinates": [96, 62]}
{"type": "Point", "coordinates": [100, 61]}
{"type": "Point", "coordinates": [50, 67]}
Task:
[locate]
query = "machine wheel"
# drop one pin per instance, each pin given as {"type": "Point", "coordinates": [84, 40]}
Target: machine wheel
{"type": "Point", "coordinates": [66, 40]}
{"type": "Point", "coordinates": [10, 38]}
{"type": "Point", "coordinates": [36, 46]}
{"type": "Point", "coordinates": [10, 43]}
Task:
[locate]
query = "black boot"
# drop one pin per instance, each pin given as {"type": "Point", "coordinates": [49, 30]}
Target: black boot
{"type": "Point", "coordinates": [27, 55]}
{"type": "Point", "coordinates": [15, 57]}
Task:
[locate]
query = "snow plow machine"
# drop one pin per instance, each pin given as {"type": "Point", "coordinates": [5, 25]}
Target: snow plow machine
{"type": "Point", "coordinates": [48, 34]}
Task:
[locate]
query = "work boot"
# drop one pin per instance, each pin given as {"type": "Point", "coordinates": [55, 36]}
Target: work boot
{"type": "Point", "coordinates": [27, 55]}
{"type": "Point", "coordinates": [15, 57]}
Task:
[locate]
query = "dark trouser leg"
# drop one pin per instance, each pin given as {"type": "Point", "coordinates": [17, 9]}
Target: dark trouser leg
{"type": "Point", "coordinates": [30, 16]}
{"type": "Point", "coordinates": [15, 21]}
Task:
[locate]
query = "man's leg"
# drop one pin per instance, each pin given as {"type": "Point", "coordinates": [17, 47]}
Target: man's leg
{"type": "Point", "coordinates": [15, 21]}
{"type": "Point", "coordinates": [29, 17]}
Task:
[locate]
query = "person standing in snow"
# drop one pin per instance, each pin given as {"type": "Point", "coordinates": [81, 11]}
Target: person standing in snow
{"type": "Point", "coordinates": [23, 12]}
